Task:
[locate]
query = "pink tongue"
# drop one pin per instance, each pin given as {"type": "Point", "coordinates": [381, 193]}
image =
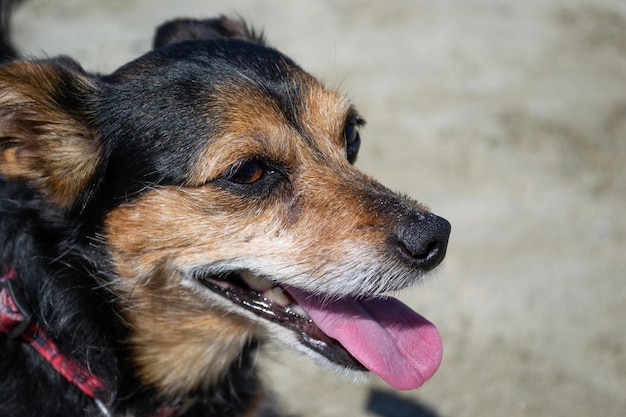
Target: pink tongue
{"type": "Point", "coordinates": [385, 335]}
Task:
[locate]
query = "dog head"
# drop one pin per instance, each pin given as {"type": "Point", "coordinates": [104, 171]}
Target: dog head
{"type": "Point", "coordinates": [217, 176]}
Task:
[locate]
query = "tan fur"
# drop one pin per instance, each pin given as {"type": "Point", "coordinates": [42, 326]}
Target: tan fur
{"type": "Point", "coordinates": [41, 142]}
{"type": "Point", "coordinates": [179, 343]}
{"type": "Point", "coordinates": [249, 124]}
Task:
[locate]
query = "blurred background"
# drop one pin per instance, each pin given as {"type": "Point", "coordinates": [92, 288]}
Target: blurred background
{"type": "Point", "coordinates": [508, 119]}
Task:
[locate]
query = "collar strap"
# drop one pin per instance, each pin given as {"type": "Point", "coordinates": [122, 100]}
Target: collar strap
{"type": "Point", "coordinates": [16, 321]}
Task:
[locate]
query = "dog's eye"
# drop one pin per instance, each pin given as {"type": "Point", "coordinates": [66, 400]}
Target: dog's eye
{"type": "Point", "coordinates": [249, 172]}
{"type": "Point", "coordinates": [252, 177]}
{"type": "Point", "coordinates": [353, 140]}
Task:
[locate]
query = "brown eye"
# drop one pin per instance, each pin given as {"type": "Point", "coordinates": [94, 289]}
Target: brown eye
{"type": "Point", "coordinates": [254, 177]}
{"type": "Point", "coordinates": [249, 172]}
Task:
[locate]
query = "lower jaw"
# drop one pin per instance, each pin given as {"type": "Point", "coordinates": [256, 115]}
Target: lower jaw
{"type": "Point", "coordinates": [305, 331]}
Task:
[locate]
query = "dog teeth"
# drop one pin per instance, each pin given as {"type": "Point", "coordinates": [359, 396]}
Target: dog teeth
{"type": "Point", "coordinates": [277, 296]}
{"type": "Point", "coordinates": [296, 309]}
{"type": "Point", "coordinates": [256, 283]}
{"type": "Point", "coordinates": [272, 293]}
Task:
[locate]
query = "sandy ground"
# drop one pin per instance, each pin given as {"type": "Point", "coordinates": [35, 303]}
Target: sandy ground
{"type": "Point", "coordinates": [509, 119]}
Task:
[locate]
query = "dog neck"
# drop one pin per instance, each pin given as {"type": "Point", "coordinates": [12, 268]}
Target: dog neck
{"type": "Point", "coordinates": [16, 321]}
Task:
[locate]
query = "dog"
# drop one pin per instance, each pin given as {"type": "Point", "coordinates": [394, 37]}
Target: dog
{"type": "Point", "coordinates": [160, 223]}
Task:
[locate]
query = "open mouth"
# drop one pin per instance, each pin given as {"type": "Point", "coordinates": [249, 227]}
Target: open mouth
{"type": "Point", "coordinates": [273, 303]}
{"type": "Point", "coordinates": [381, 334]}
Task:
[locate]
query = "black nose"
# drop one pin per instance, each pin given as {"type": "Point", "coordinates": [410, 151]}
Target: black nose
{"type": "Point", "coordinates": [423, 239]}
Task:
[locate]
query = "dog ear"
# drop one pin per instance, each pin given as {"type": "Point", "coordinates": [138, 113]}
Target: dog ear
{"type": "Point", "coordinates": [189, 29]}
{"type": "Point", "coordinates": [45, 139]}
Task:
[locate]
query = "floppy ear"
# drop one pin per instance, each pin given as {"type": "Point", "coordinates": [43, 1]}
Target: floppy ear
{"type": "Point", "coordinates": [45, 139]}
{"type": "Point", "coordinates": [188, 29]}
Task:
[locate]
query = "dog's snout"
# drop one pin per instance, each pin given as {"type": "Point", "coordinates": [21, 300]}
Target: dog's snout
{"type": "Point", "coordinates": [423, 239]}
